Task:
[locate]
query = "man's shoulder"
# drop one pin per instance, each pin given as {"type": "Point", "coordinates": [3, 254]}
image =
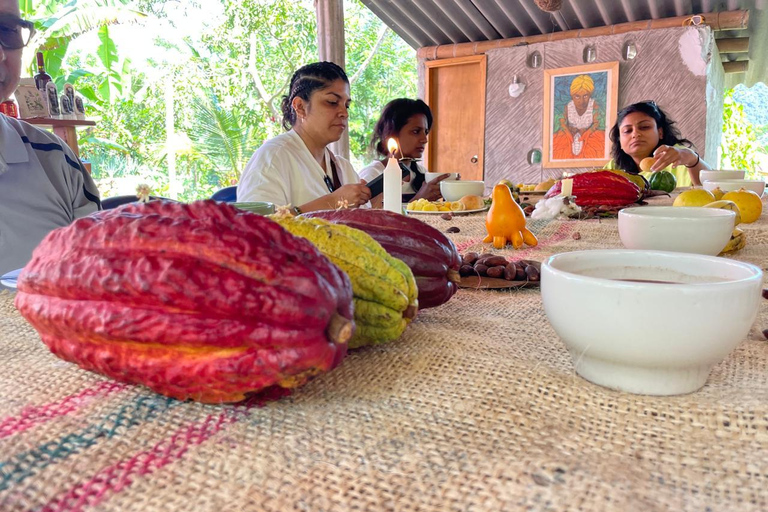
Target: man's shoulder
{"type": "Point", "coordinates": [32, 134]}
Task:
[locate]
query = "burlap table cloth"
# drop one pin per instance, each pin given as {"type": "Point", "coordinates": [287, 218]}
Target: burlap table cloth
{"type": "Point", "coordinates": [475, 408]}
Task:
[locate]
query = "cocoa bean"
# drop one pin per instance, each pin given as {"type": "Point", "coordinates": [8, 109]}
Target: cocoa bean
{"type": "Point", "coordinates": [466, 270]}
{"type": "Point", "coordinates": [576, 236]}
{"type": "Point", "coordinates": [497, 271]}
{"type": "Point", "coordinates": [510, 271]}
{"type": "Point", "coordinates": [765, 293]}
{"type": "Point", "coordinates": [452, 229]}
{"type": "Point", "coordinates": [485, 255]}
{"type": "Point", "coordinates": [481, 270]}
{"type": "Point", "coordinates": [493, 261]}
{"type": "Point", "coordinates": [520, 274]}
{"type": "Point", "coordinates": [470, 258]}
{"type": "Point", "coordinates": [765, 333]}
{"type": "Point", "coordinates": [446, 216]}
{"type": "Point", "coordinates": [532, 273]}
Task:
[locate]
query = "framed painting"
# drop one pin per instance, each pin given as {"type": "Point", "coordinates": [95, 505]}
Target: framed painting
{"type": "Point", "coordinates": [579, 110]}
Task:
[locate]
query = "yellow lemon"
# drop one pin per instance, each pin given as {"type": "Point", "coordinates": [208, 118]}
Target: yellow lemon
{"type": "Point", "coordinates": [430, 207]}
{"type": "Point", "coordinates": [457, 206]}
{"type": "Point", "coordinates": [694, 197]}
{"type": "Point", "coordinates": [749, 203]}
{"type": "Point", "coordinates": [717, 193]}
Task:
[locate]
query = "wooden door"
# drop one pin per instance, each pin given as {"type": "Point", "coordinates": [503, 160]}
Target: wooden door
{"type": "Point", "coordinates": [455, 91]}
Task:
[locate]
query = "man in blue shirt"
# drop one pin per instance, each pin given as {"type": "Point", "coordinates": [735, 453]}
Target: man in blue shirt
{"type": "Point", "coordinates": [43, 185]}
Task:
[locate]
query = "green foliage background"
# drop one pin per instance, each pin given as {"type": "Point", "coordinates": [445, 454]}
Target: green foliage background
{"type": "Point", "coordinates": [740, 147]}
{"type": "Point", "coordinates": [227, 83]}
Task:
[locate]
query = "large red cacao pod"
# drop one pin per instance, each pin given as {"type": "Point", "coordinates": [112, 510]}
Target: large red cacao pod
{"type": "Point", "coordinates": [600, 188]}
{"type": "Point", "coordinates": [431, 255]}
{"type": "Point", "coordinates": [196, 301]}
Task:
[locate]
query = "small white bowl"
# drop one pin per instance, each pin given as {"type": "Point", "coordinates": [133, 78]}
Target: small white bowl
{"type": "Point", "coordinates": [429, 176]}
{"type": "Point", "coordinates": [649, 337]}
{"type": "Point", "coordinates": [676, 228]}
{"type": "Point", "coordinates": [455, 190]}
{"type": "Point", "coordinates": [705, 175]}
{"type": "Point", "coordinates": [728, 185]}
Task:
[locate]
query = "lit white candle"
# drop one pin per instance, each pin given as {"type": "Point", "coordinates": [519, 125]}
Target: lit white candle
{"type": "Point", "coordinates": [567, 189]}
{"type": "Point", "coordinates": [393, 200]}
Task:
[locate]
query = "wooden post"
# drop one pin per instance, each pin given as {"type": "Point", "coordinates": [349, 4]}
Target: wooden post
{"type": "Point", "coordinates": [330, 46]}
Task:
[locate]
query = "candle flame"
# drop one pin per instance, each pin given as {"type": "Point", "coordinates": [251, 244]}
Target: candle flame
{"type": "Point", "coordinates": [392, 146]}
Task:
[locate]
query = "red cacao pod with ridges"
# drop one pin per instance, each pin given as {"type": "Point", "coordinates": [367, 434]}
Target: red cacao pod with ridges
{"type": "Point", "coordinates": [196, 301]}
{"type": "Point", "coordinates": [600, 188]}
{"type": "Point", "coordinates": [430, 254]}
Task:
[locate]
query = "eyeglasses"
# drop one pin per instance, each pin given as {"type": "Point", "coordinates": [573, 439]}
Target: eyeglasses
{"type": "Point", "coordinates": [15, 33]}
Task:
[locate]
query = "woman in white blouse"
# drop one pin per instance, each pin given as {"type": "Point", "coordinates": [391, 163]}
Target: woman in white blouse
{"type": "Point", "coordinates": [296, 168]}
{"type": "Point", "coordinates": [408, 122]}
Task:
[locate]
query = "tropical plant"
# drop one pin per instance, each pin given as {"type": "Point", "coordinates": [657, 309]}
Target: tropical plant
{"type": "Point", "coordinates": [739, 146]}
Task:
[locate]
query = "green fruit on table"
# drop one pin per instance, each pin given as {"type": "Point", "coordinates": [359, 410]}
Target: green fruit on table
{"type": "Point", "coordinates": [663, 180]}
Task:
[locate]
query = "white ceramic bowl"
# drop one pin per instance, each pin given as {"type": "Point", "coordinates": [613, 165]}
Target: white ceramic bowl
{"type": "Point", "coordinates": [649, 337]}
{"type": "Point", "coordinates": [727, 185]}
{"type": "Point", "coordinates": [676, 228]}
{"type": "Point", "coordinates": [705, 175]}
{"type": "Point", "coordinates": [455, 190]}
{"type": "Point", "coordinates": [432, 175]}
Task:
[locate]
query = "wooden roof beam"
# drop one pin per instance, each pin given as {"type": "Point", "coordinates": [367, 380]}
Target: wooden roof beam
{"type": "Point", "coordinates": [733, 44]}
{"type": "Point", "coordinates": [736, 66]}
{"type": "Point", "coordinates": [728, 20]}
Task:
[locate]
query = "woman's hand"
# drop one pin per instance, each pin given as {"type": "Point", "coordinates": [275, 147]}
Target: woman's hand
{"type": "Point", "coordinates": [430, 190]}
{"type": "Point", "coordinates": [353, 195]}
{"type": "Point", "coordinates": [668, 155]}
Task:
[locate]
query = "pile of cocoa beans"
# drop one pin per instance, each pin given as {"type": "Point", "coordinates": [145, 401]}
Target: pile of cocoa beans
{"type": "Point", "coordinates": [493, 265]}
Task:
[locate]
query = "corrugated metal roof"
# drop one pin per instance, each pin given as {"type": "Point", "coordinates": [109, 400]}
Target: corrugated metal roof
{"type": "Point", "coordinates": [437, 22]}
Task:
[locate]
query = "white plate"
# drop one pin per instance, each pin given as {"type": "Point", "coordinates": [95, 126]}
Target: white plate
{"type": "Point", "coordinates": [451, 212]}
{"type": "Point", "coordinates": [9, 279]}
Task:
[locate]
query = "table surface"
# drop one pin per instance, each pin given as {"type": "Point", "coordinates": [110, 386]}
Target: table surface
{"type": "Point", "coordinates": [475, 408]}
{"type": "Point", "coordinates": [51, 121]}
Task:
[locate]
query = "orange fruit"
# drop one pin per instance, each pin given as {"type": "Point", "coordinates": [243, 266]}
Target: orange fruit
{"type": "Point", "coordinates": [646, 163]}
{"type": "Point", "coordinates": [749, 203]}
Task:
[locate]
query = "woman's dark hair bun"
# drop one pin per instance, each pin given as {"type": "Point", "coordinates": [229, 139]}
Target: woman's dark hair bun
{"type": "Point", "coordinates": [306, 80]}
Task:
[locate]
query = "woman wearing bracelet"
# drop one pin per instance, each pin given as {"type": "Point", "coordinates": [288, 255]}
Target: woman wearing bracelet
{"type": "Point", "coordinates": [643, 130]}
{"type": "Point", "coordinates": [296, 168]}
{"type": "Point", "coordinates": [408, 122]}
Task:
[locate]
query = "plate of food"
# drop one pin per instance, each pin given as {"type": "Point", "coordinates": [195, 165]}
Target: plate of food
{"type": "Point", "coordinates": [452, 212]}
{"type": "Point", "coordinates": [467, 204]}
{"type": "Point", "coordinates": [495, 272]}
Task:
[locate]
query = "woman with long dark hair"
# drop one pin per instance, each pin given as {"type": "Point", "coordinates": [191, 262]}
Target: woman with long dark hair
{"type": "Point", "coordinates": [408, 122]}
{"type": "Point", "coordinates": [296, 168]}
{"type": "Point", "coordinates": [643, 130]}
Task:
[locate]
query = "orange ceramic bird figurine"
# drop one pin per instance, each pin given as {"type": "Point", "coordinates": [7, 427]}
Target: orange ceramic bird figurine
{"type": "Point", "coordinates": [505, 221]}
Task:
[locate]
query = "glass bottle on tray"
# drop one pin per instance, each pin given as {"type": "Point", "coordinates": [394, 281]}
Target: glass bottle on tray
{"type": "Point", "coordinates": [41, 78]}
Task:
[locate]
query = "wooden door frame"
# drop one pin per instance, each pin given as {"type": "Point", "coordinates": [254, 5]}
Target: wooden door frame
{"type": "Point", "coordinates": [457, 61]}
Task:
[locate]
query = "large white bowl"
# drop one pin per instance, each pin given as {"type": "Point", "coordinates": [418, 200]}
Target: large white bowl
{"type": "Point", "coordinates": [429, 176]}
{"type": "Point", "coordinates": [705, 175]}
{"type": "Point", "coordinates": [649, 337]}
{"type": "Point", "coordinates": [676, 228]}
{"type": "Point", "coordinates": [455, 190]}
{"type": "Point", "coordinates": [728, 185]}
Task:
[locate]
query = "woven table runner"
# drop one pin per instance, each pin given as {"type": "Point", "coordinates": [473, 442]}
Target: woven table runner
{"type": "Point", "coordinates": [475, 408]}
